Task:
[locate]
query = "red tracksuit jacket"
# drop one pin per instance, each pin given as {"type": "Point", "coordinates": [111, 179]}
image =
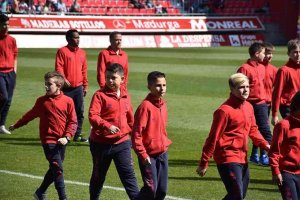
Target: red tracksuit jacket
{"type": "Point", "coordinates": [269, 81]}
{"type": "Point", "coordinates": [256, 74]}
{"type": "Point", "coordinates": [108, 109]}
{"type": "Point", "coordinates": [107, 57]}
{"type": "Point", "coordinates": [71, 63]}
{"type": "Point", "coordinates": [57, 117]}
{"type": "Point", "coordinates": [227, 141]}
{"type": "Point", "coordinates": [285, 148]}
{"type": "Point", "coordinates": [287, 83]}
{"type": "Point", "coordinates": [8, 53]}
{"type": "Point", "coordinates": [149, 135]}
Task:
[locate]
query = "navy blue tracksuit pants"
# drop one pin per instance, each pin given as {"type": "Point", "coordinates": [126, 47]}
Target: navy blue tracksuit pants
{"type": "Point", "coordinates": [77, 95]}
{"type": "Point", "coordinates": [290, 189]}
{"type": "Point", "coordinates": [102, 155]}
{"type": "Point", "coordinates": [7, 86]}
{"type": "Point", "coordinates": [262, 121]}
{"type": "Point", "coordinates": [55, 154]}
{"type": "Point", "coordinates": [235, 177]}
{"type": "Point", "coordinates": [155, 178]}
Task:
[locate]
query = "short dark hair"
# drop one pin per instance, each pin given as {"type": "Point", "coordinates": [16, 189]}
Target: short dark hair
{"type": "Point", "coordinates": [293, 44]}
{"type": "Point", "coordinates": [153, 76]}
{"type": "Point", "coordinates": [112, 34]}
{"type": "Point", "coordinates": [3, 18]}
{"type": "Point", "coordinates": [268, 46]}
{"type": "Point", "coordinates": [255, 47]}
{"type": "Point", "coordinates": [55, 74]}
{"type": "Point", "coordinates": [69, 33]}
{"type": "Point", "coordinates": [115, 68]}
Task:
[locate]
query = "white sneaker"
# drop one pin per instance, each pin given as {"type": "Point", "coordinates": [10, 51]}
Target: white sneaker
{"type": "Point", "coordinates": [3, 130]}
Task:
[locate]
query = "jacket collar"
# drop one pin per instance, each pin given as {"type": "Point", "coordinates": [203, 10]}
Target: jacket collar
{"type": "Point", "coordinates": [156, 102]}
{"type": "Point", "coordinates": [72, 48]}
{"type": "Point", "coordinates": [235, 102]}
{"type": "Point", "coordinates": [111, 51]}
{"type": "Point", "coordinates": [112, 93]}
{"type": "Point", "coordinates": [253, 63]}
{"type": "Point", "coordinates": [292, 64]}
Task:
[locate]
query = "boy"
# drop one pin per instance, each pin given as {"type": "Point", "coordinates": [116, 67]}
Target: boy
{"type": "Point", "coordinates": [284, 152]}
{"type": "Point", "coordinates": [287, 82]}
{"type": "Point", "coordinates": [257, 97]}
{"type": "Point", "coordinates": [271, 71]}
{"type": "Point", "coordinates": [150, 139]}
{"type": "Point", "coordinates": [8, 70]}
{"type": "Point", "coordinates": [111, 118]}
{"type": "Point", "coordinates": [233, 122]}
{"type": "Point", "coordinates": [71, 63]}
{"type": "Point", "coordinates": [58, 124]}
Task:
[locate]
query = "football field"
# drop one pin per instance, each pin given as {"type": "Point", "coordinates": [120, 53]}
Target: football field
{"type": "Point", "coordinates": [196, 86]}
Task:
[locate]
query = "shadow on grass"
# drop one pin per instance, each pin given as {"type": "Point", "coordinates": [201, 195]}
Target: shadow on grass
{"type": "Point", "coordinates": [5, 139]}
{"type": "Point", "coordinates": [264, 189]}
{"type": "Point", "coordinates": [196, 178]}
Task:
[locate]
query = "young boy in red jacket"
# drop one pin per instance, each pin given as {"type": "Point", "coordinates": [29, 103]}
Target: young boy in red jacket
{"type": "Point", "coordinates": [256, 74]}
{"type": "Point", "coordinates": [287, 82]}
{"type": "Point", "coordinates": [150, 139]}
{"type": "Point", "coordinates": [233, 122]}
{"type": "Point", "coordinates": [111, 118]}
{"type": "Point", "coordinates": [271, 71]}
{"type": "Point", "coordinates": [58, 124]}
{"type": "Point", "coordinates": [284, 152]}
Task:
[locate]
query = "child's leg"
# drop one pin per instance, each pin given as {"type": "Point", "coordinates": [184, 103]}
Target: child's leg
{"type": "Point", "coordinates": [149, 175]}
{"type": "Point", "coordinates": [124, 165]}
{"type": "Point", "coordinates": [232, 177]}
{"type": "Point", "coordinates": [162, 176]}
{"type": "Point", "coordinates": [101, 161]}
{"type": "Point", "coordinates": [290, 189]}
{"type": "Point", "coordinates": [55, 155]}
{"type": "Point", "coordinates": [284, 111]}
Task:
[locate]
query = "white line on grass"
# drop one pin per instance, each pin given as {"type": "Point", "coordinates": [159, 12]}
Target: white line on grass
{"type": "Point", "coordinates": [75, 182]}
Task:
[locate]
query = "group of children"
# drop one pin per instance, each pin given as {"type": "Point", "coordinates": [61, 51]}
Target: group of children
{"type": "Point", "coordinates": [112, 121]}
{"type": "Point", "coordinates": [256, 89]}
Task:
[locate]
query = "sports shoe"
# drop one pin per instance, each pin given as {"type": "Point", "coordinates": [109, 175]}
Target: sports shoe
{"type": "Point", "coordinates": [39, 196]}
{"type": "Point", "coordinates": [80, 139]}
{"type": "Point", "coordinates": [254, 158]}
{"type": "Point", "coordinates": [3, 130]}
{"type": "Point", "coordinates": [264, 160]}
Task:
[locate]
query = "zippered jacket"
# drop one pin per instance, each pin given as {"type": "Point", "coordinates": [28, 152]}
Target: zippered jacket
{"type": "Point", "coordinates": [8, 53]}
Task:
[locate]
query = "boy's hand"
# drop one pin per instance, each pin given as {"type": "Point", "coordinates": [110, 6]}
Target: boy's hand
{"type": "Point", "coordinates": [11, 128]}
{"type": "Point", "coordinates": [113, 129]}
{"type": "Point", "coordinates": [201, 171]}
{"type": "Point", "coordinates": [277, 179]}
{"type": "Point", "coordinates": [274, 120]}
{"type": "Point", "coordinates": [62, 141]}
{"type": "Point", "coordinates": [147, 161]}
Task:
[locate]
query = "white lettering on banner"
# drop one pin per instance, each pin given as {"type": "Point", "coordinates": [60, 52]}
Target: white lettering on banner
{"type": "Point", "coordinates": [64, 24]}
{"type": "Point", "coordinates": [203, 38]}
{"type": "Point", "coordinates": [222, 25]}
{"type": "Point", "coordinates": [155, 25]}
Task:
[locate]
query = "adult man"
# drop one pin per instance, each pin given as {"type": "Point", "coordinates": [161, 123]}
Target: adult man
{"type": "Point", "coordinates": [71, 63]}
{"type": "Point", "coordinates": [8, 69]}
{"type": "Point", "coordinates": [113, 54]}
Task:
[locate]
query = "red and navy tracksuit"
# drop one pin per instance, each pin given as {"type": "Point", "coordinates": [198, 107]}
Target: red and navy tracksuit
{"type": "Point", "coordinates": [284, 156]}
{"type": "Point", "coordinates": [233, 122]}
{"type": "Point", "coordinates": [269, 81]}
{"type": "Point", "coordinates": [108, 109]}
{"type": "Point", "coordinates": [107, 57]}
{"type": "Point", "coordinates": [57, 119]}
{"type": "Point", "coordinates": [150, 139]}
{"type": "Point", "coordinates": [256, 74]}
{"type": "Point", "coordinates": [71, 63]}
{"type": "Point", "coordinates": [8, 57]}
{"type": "Point", "coordinates": [287, 83]}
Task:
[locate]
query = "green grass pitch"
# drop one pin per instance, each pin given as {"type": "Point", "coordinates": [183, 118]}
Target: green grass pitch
{"type": "Point", "coordinates": [196, 86]}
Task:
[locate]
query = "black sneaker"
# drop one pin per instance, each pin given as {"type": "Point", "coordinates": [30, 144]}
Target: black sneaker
{"type": "Point", "coordinates": [80, 139]}
{"type": "Point", "coordinates": [39, 196]}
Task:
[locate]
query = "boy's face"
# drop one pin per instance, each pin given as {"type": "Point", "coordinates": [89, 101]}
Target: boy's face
{"type": "Point", "coordinates": [51, 87]}
{"type": "Point", "coordinates": [268, 56]}
{"type": "Point", "coordinates": [158, 88]}
{"type": "Point", "coordinates": [260, 55]}
{"type": "Point", "coordinates": [241, 91]}
{"type": "Point", "coordinates": [295, 55]}
{"type": "Point", "coordinates": [74, 40]}
{"type": "Point", "coordinates": [113, 80]}
{"type": "Point", "coordinates": [4, 27]}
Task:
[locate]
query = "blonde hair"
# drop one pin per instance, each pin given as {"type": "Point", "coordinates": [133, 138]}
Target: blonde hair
{"type": "Point", "coordinates": [59, 79]}
{"type": "Point", "coordinates": [237, 79]}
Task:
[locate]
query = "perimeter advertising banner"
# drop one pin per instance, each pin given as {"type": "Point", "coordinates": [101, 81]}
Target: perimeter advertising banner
{"type": "Point", "coordinates": [105, 24]}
